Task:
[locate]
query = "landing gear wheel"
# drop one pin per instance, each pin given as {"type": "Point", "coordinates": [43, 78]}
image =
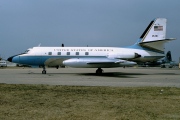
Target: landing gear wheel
{"type": "Point", "coordinates": [57, 67]}
{"type": "Point", "coordinates": [99, 71]}
{"type": "Point", "coordinates": [44, 72]}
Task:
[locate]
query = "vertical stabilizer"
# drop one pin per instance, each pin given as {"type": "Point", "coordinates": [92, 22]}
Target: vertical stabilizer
{"type": "Point", "coordinates": [154, 37]}
{"type": "Point", "coordinates": [155, 31]}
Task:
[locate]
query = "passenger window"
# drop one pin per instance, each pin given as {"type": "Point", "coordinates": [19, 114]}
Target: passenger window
{"type": "Point", "coordinates": [50, 53]}
{"type": "Point", "coordinates": [86, 53]}
{"type": "Point", "coordinates": [68, 53]}
{"type": "Point", "coordinates": [59, 53]}
{"type": "Point", "coordinates": [77, 53]}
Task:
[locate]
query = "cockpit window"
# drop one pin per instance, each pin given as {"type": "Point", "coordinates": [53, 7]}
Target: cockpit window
{"type": "Point", "coordinates": [26, 51]}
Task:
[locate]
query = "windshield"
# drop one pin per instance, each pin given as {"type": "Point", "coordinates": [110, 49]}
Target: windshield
{"type": "Point", "coordinates": [26, 51]}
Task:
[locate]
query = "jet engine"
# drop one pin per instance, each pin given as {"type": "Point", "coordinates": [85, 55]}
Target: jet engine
{"type": "Point", "coordinates": [91, 62]}
{"type": "Point", "coordinates": [124, 56]}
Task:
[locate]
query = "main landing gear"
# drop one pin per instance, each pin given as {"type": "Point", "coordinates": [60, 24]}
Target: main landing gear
{"type": "Point", "coordinates": [99, 71]}
{"type": "Point", "coordinates": [44, 70]}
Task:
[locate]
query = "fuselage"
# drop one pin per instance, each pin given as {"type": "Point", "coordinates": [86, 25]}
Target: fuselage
{"type": "Point", "coordinates": [53, 56]}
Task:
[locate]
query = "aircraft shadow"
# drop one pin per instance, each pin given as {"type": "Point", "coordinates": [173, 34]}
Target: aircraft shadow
{"type": "Point", "coordinates": [166, 74]}
{"type": "Point", "coordinates": [113, 74]}
{"type": "Point", "coordinates": [105, 74]}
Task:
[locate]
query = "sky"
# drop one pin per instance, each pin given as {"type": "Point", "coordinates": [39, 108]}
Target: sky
{"type": "Point", "coordinates": [97, 23]}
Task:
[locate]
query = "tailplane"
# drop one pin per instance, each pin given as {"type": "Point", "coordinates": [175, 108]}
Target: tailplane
{"type": "Point", "coordinates": [154, 35]}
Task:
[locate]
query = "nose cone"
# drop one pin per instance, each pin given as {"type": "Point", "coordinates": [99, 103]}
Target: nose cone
{"type": "Point", "coordinates": [14, 59]}
{"type": "Point", "coordinates": [10, 59]}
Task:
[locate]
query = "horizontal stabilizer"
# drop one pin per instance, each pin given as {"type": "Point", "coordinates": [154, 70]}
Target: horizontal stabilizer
{"type": "Point", "coordinates": [157, 45]}
{"type": "Point", "coordinates": [163, 40]}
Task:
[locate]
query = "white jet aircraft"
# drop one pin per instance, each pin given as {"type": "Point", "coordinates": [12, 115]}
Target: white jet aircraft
{"type": "Point", "coordinates": [148, 48]}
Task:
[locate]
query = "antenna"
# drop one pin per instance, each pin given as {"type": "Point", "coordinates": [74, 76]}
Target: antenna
{"type": "Point", "coordinates": [39, 45]}
{"type": "Point", "coordinates": [0, 57]}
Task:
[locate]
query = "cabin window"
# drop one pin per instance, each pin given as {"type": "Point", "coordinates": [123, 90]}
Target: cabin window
{"type": "Point", "coordinates": [77, 53]}
{"type": "Point", "coordinates": [68, 53]}
{"type": "Point", "coordinates": [49, 53]}
{"type": "Point", "coordinates": [86, 53]}
{"type": "Point", "coordinates": [59, 53]}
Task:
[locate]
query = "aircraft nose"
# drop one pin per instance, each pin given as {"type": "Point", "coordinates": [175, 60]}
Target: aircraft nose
{"type": "Point", "coordinates": [10, 59]}
{"type": "Point", "coordinates": [14, 59]}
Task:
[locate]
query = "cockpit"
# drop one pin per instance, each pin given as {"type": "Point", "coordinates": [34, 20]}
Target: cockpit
{"type": "Point", "coordinates": [27, 51]}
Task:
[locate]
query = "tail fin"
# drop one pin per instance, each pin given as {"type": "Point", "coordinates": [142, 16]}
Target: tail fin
{"type": "Point", "coordinates": [155, 31]}
{"type": "Point", "coordinates": [154, 36]}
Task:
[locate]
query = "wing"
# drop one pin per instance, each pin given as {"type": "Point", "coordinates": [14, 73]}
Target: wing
{"type": "Point", "coordinates": [96, 62]}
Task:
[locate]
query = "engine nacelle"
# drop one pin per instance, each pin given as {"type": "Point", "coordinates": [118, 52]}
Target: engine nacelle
{"type": "Point", "coordinates": [75, 62]}
{"type": "Point", "coordinates": [124, 56]}
{"type": "Point", "coordinates": [91, 63]}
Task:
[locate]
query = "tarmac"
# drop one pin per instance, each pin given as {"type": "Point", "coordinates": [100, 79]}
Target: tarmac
{"type": "Point", "coordinates": [116, 77]}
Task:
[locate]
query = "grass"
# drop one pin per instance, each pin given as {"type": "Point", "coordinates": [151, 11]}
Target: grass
{"type": "Point", "coordinates": [88, 103]}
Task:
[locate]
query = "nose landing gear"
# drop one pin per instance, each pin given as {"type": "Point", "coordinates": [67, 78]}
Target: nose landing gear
{"type": "Point", "coordinates": [99, 71]}
{"type": "Point", "coordinates": [44, 70]}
